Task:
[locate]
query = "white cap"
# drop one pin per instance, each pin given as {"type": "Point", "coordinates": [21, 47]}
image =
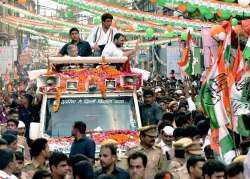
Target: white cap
{"type": "Point", "coordinates": [168, 130]}
{"type": "Point", "coordinates": [179, 92]}
{"type": "Point", "coordinates": [21, 124]}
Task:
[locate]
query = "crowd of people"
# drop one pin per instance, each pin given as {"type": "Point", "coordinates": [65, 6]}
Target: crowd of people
{"type": "Point", "coordinates": [174, 137]}
{"type": "Point", "coordinates": [174, 141]}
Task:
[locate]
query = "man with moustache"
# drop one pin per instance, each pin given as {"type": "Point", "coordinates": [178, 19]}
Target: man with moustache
{"type": "Point", "coordinates": [108, 159]}
{"type": "Point", "coordinates": [82, 144]}
{"type": "Point", "coordinates": [137, 163]}
{"type": "Point", "coordinates": [156, 160]}
{"type": "Point", "coordinates": [114, 49]}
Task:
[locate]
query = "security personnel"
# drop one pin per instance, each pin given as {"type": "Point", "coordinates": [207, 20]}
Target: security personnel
{"type": "Point", "coordinates": [184, 148]}
{"type": "Point", "coordinates": [40, 154]}
{"type": "Point", "coordinates": [156, 160]}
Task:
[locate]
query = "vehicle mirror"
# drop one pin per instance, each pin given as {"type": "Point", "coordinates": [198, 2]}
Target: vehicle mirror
{"type": "Point", "coordinates": [34, 130]}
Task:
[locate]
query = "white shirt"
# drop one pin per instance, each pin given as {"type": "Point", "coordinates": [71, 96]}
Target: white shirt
{"type": "Point", "coordinates": [5, 175]}
{"type": "Point", "coordinates": [111, 50]}
{"type": "Point", "coordinates": [191, 104]}
{"type": "Point", "coordinates": [164, 147]}
{"type": "Point", "coordinates": [102, 37]}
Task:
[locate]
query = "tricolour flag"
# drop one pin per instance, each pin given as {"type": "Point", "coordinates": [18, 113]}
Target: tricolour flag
{"type": "Point", "coordinates": [221, 141]}
{"type": "Point", "coordinates": [238, 80]}
{"type": "Point", "coordinates": [215, 94]}
{"type": "Point", "coordinates": [227, 42]}
{"type": "Point", "coordinates": [238, 65]}
{"type": "Point", "coordinates": [186, 63]}
{"type": "Point", "coordinates": [215, 99]}
{"type": "Point", "coordinates": [240, 104]}
{"type": "Point", "coordinates": [196, 55]}
{"type": "Point", "coordinates": [246, 51]}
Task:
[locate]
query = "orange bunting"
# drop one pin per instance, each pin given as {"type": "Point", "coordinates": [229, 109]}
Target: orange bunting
{"type": "Point", "coordinates": [219, 13]}
{"type": "Point", "coordinates": [22, 2]}
{"type": "Point", "coordinates": [130, 28]}
{"type": "Point", "coordinates": [169, 28]}
{"type": "Point", "coordinates": [182, 8]}
{"type": "Point", "coordinates": [216, 29]}
{"type": "Point", "coordinates": [153, 1]}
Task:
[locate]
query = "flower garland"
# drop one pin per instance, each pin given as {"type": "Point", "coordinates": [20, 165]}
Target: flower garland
{"type": "Point", "coordinates": [122, 138]}
{"type": "Point", "coordinates": [56, 103]}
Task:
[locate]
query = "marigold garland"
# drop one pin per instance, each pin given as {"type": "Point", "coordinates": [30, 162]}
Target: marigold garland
{"type": "Point", "coordinates": [56, 103]}
{"type": "Point", "coordinates": [113, 73]}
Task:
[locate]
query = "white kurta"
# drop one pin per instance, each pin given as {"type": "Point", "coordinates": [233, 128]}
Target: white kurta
{"type": "Point", "coordinates": [102, 37]}
{"type": "Point", "coordinates": [111, 50]}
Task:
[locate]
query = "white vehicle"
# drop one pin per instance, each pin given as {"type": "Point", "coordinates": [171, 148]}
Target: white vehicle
{"type": "Point", "coordinates": [115, 114]}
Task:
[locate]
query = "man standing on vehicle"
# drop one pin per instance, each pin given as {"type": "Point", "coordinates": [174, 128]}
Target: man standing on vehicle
{"type": "Point", "coordinates": [102, 35]}
{"type": "Point", "coordinates": [84, 48]}
{"type": "Point", "coordinates": [82, 144]}
{"type": "Point", "coordinates": [114, 49]}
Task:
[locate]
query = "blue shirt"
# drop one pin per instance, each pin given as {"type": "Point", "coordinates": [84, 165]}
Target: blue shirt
{"type": "Point", "coordinates": [84, 49]}
{"type": "Point", "coordinates": [85, 146]}
{"type": "Point", "coordinates": [150, 114]}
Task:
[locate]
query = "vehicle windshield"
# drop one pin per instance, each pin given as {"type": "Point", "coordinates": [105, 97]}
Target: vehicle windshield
{"type": "Point", "coordinates": [114, 113]}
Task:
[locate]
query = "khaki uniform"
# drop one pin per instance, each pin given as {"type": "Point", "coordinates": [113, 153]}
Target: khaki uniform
{"type": "Point", "coordinates": [22, 142]}
{"type": "Point", "coordinates": [182, 172]}
{"type": "Point", "coordinates": [156, 161]}
{"type": "Point", "coordinates": [178, 165]}
{"type": "Point", "coordinates": [33, 166]}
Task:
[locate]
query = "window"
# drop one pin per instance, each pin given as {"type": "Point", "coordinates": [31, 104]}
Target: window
{"type": "Point", "coordinates": [114, 113]}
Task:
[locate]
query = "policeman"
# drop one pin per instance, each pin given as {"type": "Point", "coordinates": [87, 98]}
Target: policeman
{"type": "Point", "coordinates": [184, 148]}
{"type": "Point", "coordinates": [156, 160]}
{"type": "Point", "coordinates": [40, 154]}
